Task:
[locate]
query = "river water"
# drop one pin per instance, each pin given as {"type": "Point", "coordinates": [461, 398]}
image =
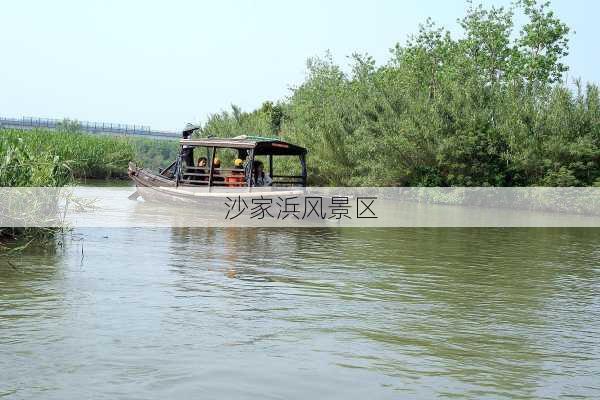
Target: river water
{"type": "Point", "coordinates": [303, 313]}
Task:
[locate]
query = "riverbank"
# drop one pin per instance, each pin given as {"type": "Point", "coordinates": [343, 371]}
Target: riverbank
{"type": "Point", "coordinates": [44, 158]}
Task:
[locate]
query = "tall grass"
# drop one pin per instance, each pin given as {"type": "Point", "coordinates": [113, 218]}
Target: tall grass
{"type": "Point", "coordinates": [85, 156]}
{"type": "Point", "coordinates": [25, 165]}
{"type": "Point", "coordinates": [42, 158]}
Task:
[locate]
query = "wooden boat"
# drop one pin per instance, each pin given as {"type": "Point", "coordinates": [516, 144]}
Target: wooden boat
{"type": "Point", "coordinates": [184, 180]}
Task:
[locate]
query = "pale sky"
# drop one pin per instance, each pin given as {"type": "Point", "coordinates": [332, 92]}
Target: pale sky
{"type": "Point", "coordinates": [165, 63]}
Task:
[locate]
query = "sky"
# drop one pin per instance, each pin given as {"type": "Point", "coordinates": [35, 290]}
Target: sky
{"type": "Point", "coordinates": [166, 63]}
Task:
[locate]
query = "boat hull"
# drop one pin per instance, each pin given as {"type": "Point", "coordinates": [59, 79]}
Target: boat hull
{"type": "Point", "coordinates": [156, 188]}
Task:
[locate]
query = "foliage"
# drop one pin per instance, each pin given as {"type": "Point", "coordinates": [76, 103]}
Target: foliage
{"type": "Point", "coordinates": [489, 108]}
{"type": "Point", "coordinates": [86, 156]}
{"type": "Point", "coordinates": [236, 122]}
{"type": "Point", "coordinates": [154, 153]}
{"type": "Point", "coordinates": [68, 125]}
{"type": "Point", "coordinates": [22, 166]}
{"type": "Point", "coordinates": [43, 158]}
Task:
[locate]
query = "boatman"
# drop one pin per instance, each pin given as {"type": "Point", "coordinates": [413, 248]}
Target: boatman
{"type": "Point", "coordinates": [187, 152]}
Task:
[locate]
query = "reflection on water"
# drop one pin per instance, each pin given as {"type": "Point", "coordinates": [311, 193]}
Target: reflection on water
{"type": "Point", "coordinates": [255, 313]}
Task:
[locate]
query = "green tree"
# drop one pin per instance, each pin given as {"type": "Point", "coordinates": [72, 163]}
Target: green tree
{"type": "Point", "coordinates": [486, 108]}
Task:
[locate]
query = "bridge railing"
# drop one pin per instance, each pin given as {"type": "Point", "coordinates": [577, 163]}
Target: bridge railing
{"type": "Point", "coordinates": [87, 126]}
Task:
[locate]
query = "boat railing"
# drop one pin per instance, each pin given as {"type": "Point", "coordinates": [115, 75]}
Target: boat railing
{"type": "Point", "coordinates": [214, 169]}
{"type": "Point", "coordinates": [225, 177]}
{"type": "Point", "coordinates": [202, 178]}
{"type": "Point", "coordinates": [288, 180]}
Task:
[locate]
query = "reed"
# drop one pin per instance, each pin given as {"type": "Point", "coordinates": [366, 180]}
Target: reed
{"type": "Point", "coordinates": [43, 158]}
{"type": "Point", "coordinates": [84, 155]}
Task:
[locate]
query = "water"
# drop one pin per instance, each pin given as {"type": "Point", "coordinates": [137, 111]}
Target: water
{"type": "Point", "coordinates": [295, 314]}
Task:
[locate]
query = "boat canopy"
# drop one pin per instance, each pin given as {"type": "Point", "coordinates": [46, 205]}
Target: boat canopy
{"type": "Point", "coordinates": [262, 146]}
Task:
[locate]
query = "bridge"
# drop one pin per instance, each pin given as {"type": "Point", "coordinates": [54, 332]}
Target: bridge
{"type": "Point", "coordinates": [101, 128]}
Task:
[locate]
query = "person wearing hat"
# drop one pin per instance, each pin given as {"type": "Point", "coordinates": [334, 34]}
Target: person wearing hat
{"type": "Point", "coordinates": [238, 166]}
{"type": "Point", "coordinates": [187, 152]}
{"type": "Point", "coordinates": [216, 171]}
{"type": "Point", "coordinates": [189, 130]}
{"type": "Point", "coordinates": [237, 177]}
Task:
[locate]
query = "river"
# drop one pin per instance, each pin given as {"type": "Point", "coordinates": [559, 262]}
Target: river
{"type": "Point", "coordinates": [303, 313]}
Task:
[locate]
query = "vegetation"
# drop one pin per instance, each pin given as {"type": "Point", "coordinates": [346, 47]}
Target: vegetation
{"type": "Point", "coordinates": [154, 153]}
{"type": "Point", "coordinates": [42, 158]}
{"type": "Point", "coordinates": [22, 166]}
{"type": "Point", "coordinates": [84, 156]}
{"type": "Point", "coordinates": [489, 108]}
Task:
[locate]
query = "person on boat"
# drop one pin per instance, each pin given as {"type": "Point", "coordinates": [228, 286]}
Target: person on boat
{"type": "Point", "coordinates": [258, 175]}
{"type": "Point", "coordinates": [216, 173]}
{"type": "Point", "coordinates": [237, 177]}
{"type": "Point", "coordinates": [187, 152]}
{"type": "Point", "coordinates": [202, 162]}
{"type": "Point", "coordinates": [239, 167]}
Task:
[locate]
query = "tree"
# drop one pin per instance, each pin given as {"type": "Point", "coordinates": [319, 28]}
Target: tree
{"type": "Point", "coordinates": [543, 43]}
{"type": "Point", "coordinates": [486, 108]}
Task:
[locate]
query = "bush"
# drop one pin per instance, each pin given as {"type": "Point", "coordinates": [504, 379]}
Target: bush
{"type": "Point", "coordinates": [487, 109]}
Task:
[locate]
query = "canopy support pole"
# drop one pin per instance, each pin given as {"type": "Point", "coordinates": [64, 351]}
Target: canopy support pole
{"type": "Point", "coordinates": [210, 167]}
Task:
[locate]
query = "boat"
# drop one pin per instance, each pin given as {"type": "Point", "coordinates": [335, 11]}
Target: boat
{"type": "Point", "coordinates": [184, 180]}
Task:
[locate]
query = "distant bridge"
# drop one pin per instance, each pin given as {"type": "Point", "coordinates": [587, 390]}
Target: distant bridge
{"type": "Point", "coordinates": [102, 128]}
